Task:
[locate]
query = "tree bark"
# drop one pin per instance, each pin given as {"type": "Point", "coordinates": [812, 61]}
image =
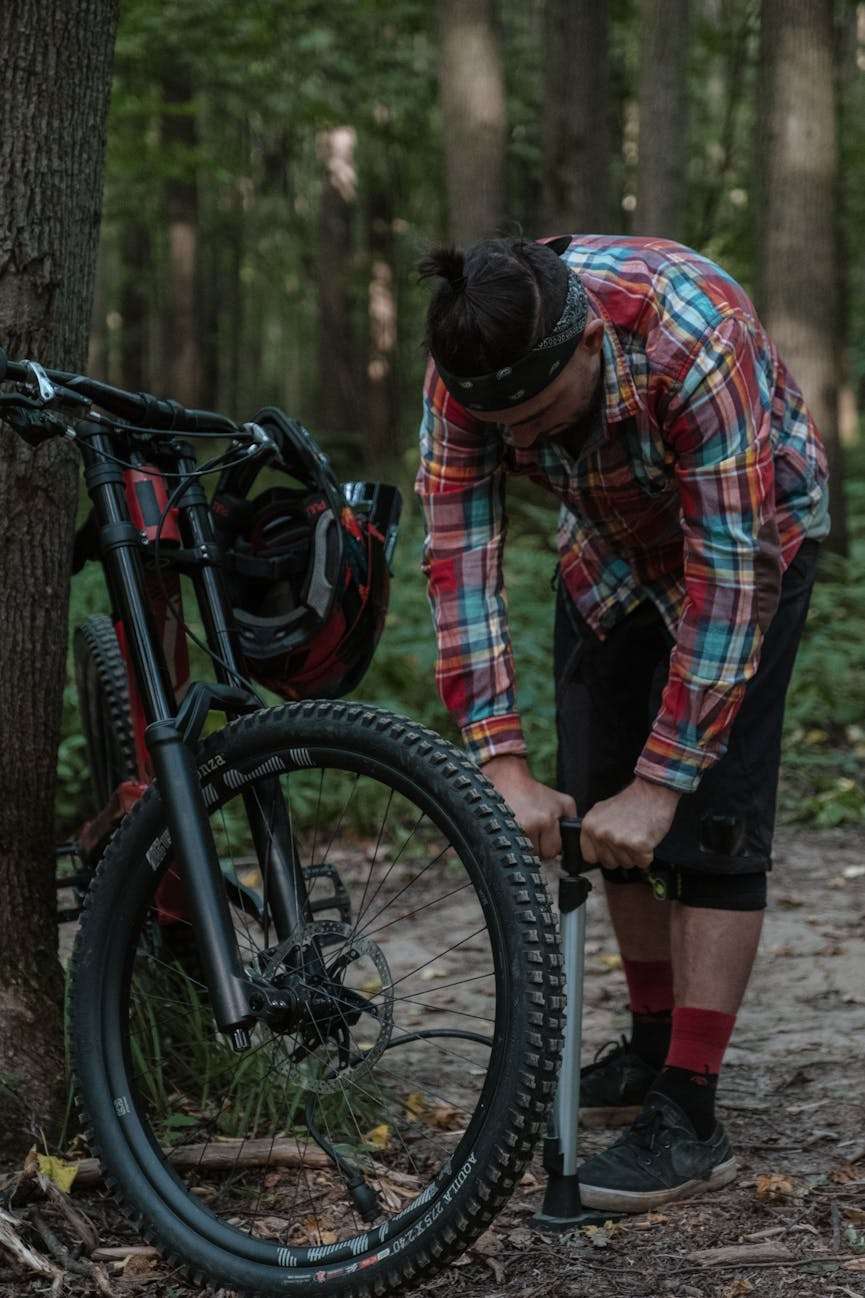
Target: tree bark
{"type": "Point", "coordinates": [55, 73]}
{"type": "Point", "coordinates": [797, 155]}
{"type": "Point", "coordinates": [663, 98]}
{"type": "Point", "coordinates": [576, 127]}
{"type": "Point", "coordinates": [337, 356]}
{"type": "Point", "coordinates": [473, 108]}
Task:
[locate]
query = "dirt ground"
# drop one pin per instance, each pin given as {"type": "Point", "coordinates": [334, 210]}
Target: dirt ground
{"type": "Point", "coordinates": [792, 1096]}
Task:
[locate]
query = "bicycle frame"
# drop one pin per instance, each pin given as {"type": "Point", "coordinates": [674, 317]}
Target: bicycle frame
{"type": "Point", "coordinates": [146, 628]}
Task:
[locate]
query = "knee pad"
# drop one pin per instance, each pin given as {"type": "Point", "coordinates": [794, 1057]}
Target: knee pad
{"type": "Point", "coordinates": [699, 888]}
{"type": "Point", "coordinates": [719, 891]}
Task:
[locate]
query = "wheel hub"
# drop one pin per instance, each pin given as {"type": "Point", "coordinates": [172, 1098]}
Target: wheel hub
{"type": "Point", "coordinates": [339, 997]}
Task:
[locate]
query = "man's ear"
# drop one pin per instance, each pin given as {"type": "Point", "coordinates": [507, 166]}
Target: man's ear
{"type": "Point", "coordinates": [593, 336]}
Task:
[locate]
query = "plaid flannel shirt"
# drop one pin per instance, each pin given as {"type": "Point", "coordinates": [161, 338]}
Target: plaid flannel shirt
{"type": "Point", "coordinates": [702, 477]}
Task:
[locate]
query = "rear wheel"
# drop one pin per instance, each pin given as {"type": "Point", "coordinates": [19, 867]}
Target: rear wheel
{"type": "Point", "coordinates": [374, 1135]}
{"type": "Point", "coordinates": [103, 703]}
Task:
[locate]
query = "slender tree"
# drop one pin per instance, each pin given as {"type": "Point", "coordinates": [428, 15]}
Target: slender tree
{"type": "Point", "coordinates": [382, 393]}
{"type": "Point", "coordinates": [181, 353]}
{"type": "Point", "coordinates": [797, 157]}
{"type": "Point", "coordinates": [55, 74]}
{"type": "Point", "coordinates": [663, 158]}
{"type": "Point", "coordinates": [473, 109]}
{"type": "Point", "coordinates": [337, 361]}
{"type": "Point", "coordinates": [576, 117]}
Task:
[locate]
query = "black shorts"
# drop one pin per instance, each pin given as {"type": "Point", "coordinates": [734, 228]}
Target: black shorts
{"type": "Point", "coordinates": [608, 694]}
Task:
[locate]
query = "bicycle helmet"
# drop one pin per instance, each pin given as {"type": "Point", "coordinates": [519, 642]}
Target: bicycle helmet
{"type": "Point", "coordinates": [307, 566]}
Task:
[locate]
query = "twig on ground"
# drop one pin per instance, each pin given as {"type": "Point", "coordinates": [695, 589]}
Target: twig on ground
{"type": "Point", "coordinates": [11, 1240]}
{"type": "Point", "coordinates": [224, 1155]}
{"type": "Point", "coordinates": [741, 1254]}
{"type": "Point", "coordinates": [792, 1262]}
{"type": "Point", "coordinates": [120, 1252]}
{"type": "Point", "coordinates": [65, 1258]}
{"type": "Point", "coordinates": [81, 1226]}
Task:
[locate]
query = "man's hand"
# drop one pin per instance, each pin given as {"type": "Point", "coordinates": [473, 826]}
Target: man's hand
{"type": "Point", "coordinates": [538, 809]}
{"type": "Point", "coordinates": [622, 832]}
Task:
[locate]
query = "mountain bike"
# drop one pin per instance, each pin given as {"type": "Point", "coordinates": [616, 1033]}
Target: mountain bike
{"type": "Point", "coordinates": [285, 1102]}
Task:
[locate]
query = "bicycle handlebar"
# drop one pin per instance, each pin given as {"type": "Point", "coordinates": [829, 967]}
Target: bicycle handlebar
{"type": "Point", "coordinates": [139, 408]}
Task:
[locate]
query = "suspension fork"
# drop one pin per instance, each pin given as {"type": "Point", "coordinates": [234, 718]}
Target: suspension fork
{"type": "Point", "coordinates": [174, 763]}
{"type": "Point", "coordinates": [285, 893]}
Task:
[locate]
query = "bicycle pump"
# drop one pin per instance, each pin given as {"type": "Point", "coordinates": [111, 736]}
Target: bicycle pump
{"type": "Point", "coordinates": [562, 1209]}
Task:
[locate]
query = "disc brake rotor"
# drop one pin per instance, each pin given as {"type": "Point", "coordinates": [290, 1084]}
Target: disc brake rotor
{"type": "Point", "coordinates": [360, 986]}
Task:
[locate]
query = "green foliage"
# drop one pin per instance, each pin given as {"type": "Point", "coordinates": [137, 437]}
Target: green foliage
{"type": "Point", "coordinates": [824, 738]}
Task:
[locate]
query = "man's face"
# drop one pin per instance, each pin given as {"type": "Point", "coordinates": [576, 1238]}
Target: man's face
{"type": "Point", "coordinates": [563, 403]}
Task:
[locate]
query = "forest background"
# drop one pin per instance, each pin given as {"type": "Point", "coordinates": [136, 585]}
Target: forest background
{"type": "Point", "coordinates": [275, 171]}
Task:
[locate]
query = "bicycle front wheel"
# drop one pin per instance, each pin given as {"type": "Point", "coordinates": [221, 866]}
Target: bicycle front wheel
{"type": "Point", "coordinates": [371, 1140]}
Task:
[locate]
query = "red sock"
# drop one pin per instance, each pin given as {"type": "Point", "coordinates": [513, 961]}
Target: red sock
{"type": "Point", "coordinates": [699, 1039]}
{"type": "Point", "coordinates": [650, 984]}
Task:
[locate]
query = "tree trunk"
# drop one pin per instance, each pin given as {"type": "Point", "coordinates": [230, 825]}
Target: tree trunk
{"type": "Point", "coordinates": [181, 360]}
{"type": "Point", "coordinates": [473, 107]}
{"type": "Point", "coordinates": [847, 18]}
{"type": "Point", "coordinates": [797, 155]}
{"type": "Point", "coordinates": [576, 129]}
{"type": "Point", "coordinates": [382, 396]}
{"type": "Point", "coordinates": [663, 144]}
{"type": "Point", "coordinates": [337, 358]}
{"type": "Point", "coordinates": [134, 300]}
{"type": "Point", "coordinates": [55, 73]}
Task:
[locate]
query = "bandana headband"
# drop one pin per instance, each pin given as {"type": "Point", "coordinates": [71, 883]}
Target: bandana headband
{"type": "Point", "coordinates": [531, 374]}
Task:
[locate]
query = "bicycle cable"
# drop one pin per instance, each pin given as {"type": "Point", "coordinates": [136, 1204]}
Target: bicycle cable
{"type": "Point", "coordinates": [209, 467]}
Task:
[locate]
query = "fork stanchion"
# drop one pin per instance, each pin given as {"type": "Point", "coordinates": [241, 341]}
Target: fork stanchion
{"type": "Point", "coordinates": [562, 1209]}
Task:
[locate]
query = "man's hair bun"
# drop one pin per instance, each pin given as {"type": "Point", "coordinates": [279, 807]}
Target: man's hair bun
{"type": "Point", "coordinates": [448, 263]}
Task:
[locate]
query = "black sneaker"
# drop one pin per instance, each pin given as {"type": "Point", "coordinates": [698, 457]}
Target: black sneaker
{"type": "Point", "coordinates": [659, 1159]}
{"type": "Point", "coordinates": [614, 1087]}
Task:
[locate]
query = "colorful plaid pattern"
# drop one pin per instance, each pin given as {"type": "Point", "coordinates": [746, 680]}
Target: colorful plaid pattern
{"type": "Point", "coordinates": [702, 477]}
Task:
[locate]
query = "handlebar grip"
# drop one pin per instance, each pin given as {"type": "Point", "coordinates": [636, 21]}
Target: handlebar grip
{"type": "Point", "coordinates": [9, 370]}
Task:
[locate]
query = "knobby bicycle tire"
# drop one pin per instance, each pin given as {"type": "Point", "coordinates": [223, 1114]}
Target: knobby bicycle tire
{"type": "Point", "coordinates": [103, 704]}
{"type": "Point", "coordinates": [514, 1089]}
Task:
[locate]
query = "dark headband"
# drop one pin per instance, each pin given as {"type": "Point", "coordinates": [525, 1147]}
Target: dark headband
{"type": "Point", "coordinates": [528, 376]}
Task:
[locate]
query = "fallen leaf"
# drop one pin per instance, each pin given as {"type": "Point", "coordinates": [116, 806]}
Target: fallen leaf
{"type": "Point", "coordinates": [521, 1237]}
{"type": "Point", "coordinates": [444, 1117]}
{"type": "Point", "coordinates": [498, 1268]}
{"type": "Point", "coordinates": [841, 1175]}
{"type": "Point", "coordinates": [379, 1137]}
{"type": "Point", "coordinates": [781, 951]}
{"type": "Point", "coordinates": [315, 1234]}
{"type": "Point", "coordinates": [832, 948]}
{"type": "Point", "coordinates": [135, 1264]}
{"type": "Point", "coordinates": [858, 1264]}
{"type": "Point", "coordinates": [596, 1235]}
{"type": "Point", "coordinates": [648, 1220]}
{"type": "Point", "coordinates": [789, 903]}
{"type": "Point", "coordinates": [610, 960]}
{"type": "Point", "coordinates": [738, 1289]}
{"type": "Point", "coordinates": [773, 1186]}
{"type": "Point", "coordinates": [58, 1171]}
{"type": "Point", "coordinates": [854, 872]}
{"type": "Point", "coordinates": [600, 1236]}
{"type": "Point", "coordinates": [856, 1215]}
